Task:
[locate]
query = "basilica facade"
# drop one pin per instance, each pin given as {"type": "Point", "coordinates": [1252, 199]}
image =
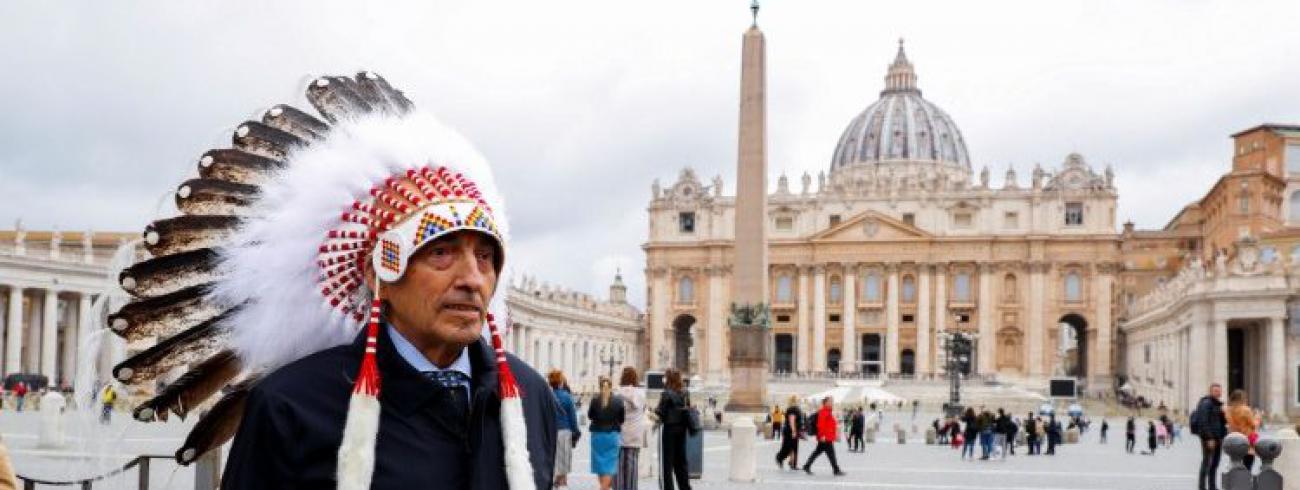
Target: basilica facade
{"type": "Point", "coordinates": [895, 244]}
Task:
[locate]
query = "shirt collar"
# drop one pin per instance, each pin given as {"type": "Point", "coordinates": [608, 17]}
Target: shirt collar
{"type": "Point", "coordinates": [416, 359]}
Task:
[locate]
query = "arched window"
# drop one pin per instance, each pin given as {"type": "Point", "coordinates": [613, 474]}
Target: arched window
{"type": "Point", "coordinates": [1294, 213]}
{"type": "Point", "coordinates": [784, 291]}
{"type": "Point", "coordinates": [836, 290]}
{"type": "Point", "coordinates": [1009, 288]}
{"type": "Point", "coordinates": [961, 287]}
{"type": "Point", "coordinates": [1073, 287]}
{"type": "Point", "coordinates": [685, 291]}
{"type": "Point", "coordinates": [871, 286]}
{"type": "Point", "coordinates": [909, 289]}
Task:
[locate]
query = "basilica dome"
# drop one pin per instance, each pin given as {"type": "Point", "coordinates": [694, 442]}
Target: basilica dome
{"type": "Point", "coordinates": [901, 127]}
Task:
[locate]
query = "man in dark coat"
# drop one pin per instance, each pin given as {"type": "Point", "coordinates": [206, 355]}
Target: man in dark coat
{"type": "Point", "coordinates": [432, 433]}
{"type": "Point", "coordinates": [1211, 425]}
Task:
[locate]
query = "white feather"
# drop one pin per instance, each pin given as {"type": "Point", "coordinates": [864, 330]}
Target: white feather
{"type": "Point", "coordinates": [514, 434]}
{"type": "Point", "coordinates": [357, 452]}
{"type": "Point", "coordinates": [271, 264]}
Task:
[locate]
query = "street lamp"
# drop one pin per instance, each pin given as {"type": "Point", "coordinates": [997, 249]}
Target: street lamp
{"type": "Point", "coordinates": [610, 362]}
{"type": "Point", "coordinates": [957, 350]}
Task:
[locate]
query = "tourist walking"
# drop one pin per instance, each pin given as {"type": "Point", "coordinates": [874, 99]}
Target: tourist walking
{"type": "Point", "coordinates": [566, 425]}
{"type": "Point", "coordinates": [632, 433]}
{"type": "Point", "coordinates": [1243, 420]}
{"type": "Point", "coordinates": [1152, 437]}
{"type": "Point", "coordinates": [1209, 424]}
{"type": "Point", "coordinates": [1130, 434]}
{"type": "Point", "coordinates": [791, 433]}
{"type": "Point", "coordinates": [1105, 426]}
{"type": "Point", "coordinates": [1007, 433]}
{"type": "Point", "coordinates": [1053, 434]}
{"type": "Point", "coordinates": [20, 395]}
{"type": "Point", "coordinates": [775, 419]}
{"type": "Point", "coordinates": [107, 398]}
{"type": "Point", "coordinates": [1031, 433]}
{"type": "Point", "coordinates": [1162, 435]}
{"type": "Point", "coordinates": [857, 424]}
{"type": "Point", "coordinates": [970, 431]}
{"type": "Point", "coordinates": [605, 415]}
{"type": "Point", "coordinates": [826, 433]}
{"type": "Point", "coordinates": [985, 422]}
{"type": "Point", "coordinates": [674, 411]}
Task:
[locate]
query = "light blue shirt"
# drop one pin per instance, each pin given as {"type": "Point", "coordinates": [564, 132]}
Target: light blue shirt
{"type": "Point", "coordinates": [422, 364]}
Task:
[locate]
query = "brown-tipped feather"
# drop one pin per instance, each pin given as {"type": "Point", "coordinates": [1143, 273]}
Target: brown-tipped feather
{"type": "Point", "coordinates": [189, 346]}
{"type": "Point", "coordinates": [185, 233]}
{"type": "Point", "coordinates": [218, 425]}
{"type": "Point", "coordinates": [335, 99]}
{"type": "Point", "coordinates": [236, 166]}
{"type": "Point", "coordinates": [191, 389]}
{"type": "Point", "coordinates": [260, 139]}
{"type": "Point", "coordinates": [296, 122]}
{"type": "Point", "coordinates": [164, 315]}
{"type": "Point", "coordinates": [215, 197]}
{"type": "Point", "coordinates": [372, 85]}
{"type": "Point", "coordinates": [170, 273]}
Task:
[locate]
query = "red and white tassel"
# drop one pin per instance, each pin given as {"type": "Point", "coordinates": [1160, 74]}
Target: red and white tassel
{"type": "Point", "coordinates": [514, 429]}
{"type": "Point", "coordinates": [356, 458]}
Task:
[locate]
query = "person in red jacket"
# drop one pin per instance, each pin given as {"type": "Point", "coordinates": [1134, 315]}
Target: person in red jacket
{"type": "Point", "coordinates": [826, 435]}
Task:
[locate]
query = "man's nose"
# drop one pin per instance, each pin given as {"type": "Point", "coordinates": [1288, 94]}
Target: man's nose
{"type": "Point", "coordinates": [468, 273]}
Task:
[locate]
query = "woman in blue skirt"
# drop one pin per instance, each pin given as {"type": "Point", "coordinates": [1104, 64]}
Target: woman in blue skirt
{"type": "Point", "coordinates": [606, 416]}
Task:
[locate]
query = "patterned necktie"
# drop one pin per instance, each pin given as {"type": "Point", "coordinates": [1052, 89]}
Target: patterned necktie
{"type": "Point", "coordinates": [457, 385]}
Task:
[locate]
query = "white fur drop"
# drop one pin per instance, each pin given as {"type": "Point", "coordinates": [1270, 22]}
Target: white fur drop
{"type": "Point", "coordinates": [514, 434]}
{"type": "Point", "coordinates": [357, 452]}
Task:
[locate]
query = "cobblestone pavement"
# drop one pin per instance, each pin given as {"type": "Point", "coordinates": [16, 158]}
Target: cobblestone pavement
{"type": "Point", "coordinates": [1089, 465]}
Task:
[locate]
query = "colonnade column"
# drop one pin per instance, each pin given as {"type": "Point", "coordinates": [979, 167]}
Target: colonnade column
{"type": "Point", "coordinates": [987, 340]}
{"type": "Point", "coordinates": [50, 334]}
{"type": "Point", "coordinates": [891, 319]}
{"type": "Point", "coordinates": [848, 321]}
{"type": "Point", "coordinates": [940, 307]}
{"type": "Point", "coordinates": [72, 337]}
{"type": "Point", "coordinates": [717, 324]}
{"type": "Point", "coordinates": [1277, 370]}
{"type": "Point", "coordinates": [922, 365]}
{"type": "Point", "coordinates": [819, 319]}
{"type": "Point", "coordinates": [14, 338]}
{"type": "Point", "coordinates": [1219, 349]}
{"type": "Point", "coordinates": [802, 341]}
{"type": "Point", "coordinates": [1034, 337]}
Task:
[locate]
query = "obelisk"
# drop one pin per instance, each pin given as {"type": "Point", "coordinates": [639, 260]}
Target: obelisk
{"type": "Point", "coordinates": [749, 320]}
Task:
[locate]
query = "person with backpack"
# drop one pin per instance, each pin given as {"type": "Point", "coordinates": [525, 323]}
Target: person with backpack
{"type": "Point", "coordinates": [1209, 423]}
{"type": "Point", "coordinates": [791, 432]}
{"type": "Point", "coordinates": [826, 433]}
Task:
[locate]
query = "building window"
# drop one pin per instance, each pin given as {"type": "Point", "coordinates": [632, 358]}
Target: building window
{"type": "Point", "coordinates": [784, 223]}
{"type": "Point", "coordinates": [836, 290]}
{"type": "Point", "coordinates": [1073, 214]}
{"type": "Point", "coordinates": [1146, 353]}
{"type": "Point", "coordinates": [1243, 203]}
{"type": "Point", "coordinates": [1293, 160]}
{"type": "Point", "coordinates": [1011, 220]}
{"type": "Point", "coordinates": [963, 318]}
{"type": "Point", "coordinates": [909, 289]}
{"type": "Point", "coordinates": [685, 291]}
{"type": "Point", "coordinates": [871, 287]}
{"type": "Point", "coordinates": [961, 287]}
{"type": "Point", "coordinates": [686, 221]}
{"type": "Point", "coordinates": [1009, 288]}
{"type": "Point", "coordinates": [784, 292]}
{"type": "Point", "coordinates": [909, 219]}
{"type": "Point", "coordinates": [909, 318]}
{"type": "Point", "coordinates": [1073, 287]}
{"type": "Point", "coordinates": [783, 318]}
{"type": "Point", "coordinates": [834, 317]}
{"type": "Point", "coordinates": [961, 220]}
{"type": "Point", "coordinates": [835, 219]}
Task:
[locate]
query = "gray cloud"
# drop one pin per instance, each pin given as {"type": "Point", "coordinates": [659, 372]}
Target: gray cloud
{"type": "Point", "coordinates": [581, 104]}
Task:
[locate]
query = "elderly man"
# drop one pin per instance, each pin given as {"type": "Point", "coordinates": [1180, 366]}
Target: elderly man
{"type": "Point", "coordinates": [422, 242]}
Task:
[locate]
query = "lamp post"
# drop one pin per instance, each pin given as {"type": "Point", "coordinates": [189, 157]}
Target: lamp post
{"type": "Point", "coordinates": [957, 350]}
{"type": "Point", "coordinates": [610, 362]}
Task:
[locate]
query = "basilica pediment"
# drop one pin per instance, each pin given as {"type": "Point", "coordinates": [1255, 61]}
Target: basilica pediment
{"type": "Point", "coordinates": [870, 226]}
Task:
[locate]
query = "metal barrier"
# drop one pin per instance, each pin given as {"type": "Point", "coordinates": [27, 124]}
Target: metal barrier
{"type": "Point", "coordinates": [1238, 477]}
{"type": "Point", "coordinates": [207, 471]}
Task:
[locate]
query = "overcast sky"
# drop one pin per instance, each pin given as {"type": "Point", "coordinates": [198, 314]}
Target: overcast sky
{"type": "Point", "coordinates": [580, 105]}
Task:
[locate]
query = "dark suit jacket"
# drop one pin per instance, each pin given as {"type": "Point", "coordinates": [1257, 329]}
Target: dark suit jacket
{"type": "Point", "coordinates": [293, 424]}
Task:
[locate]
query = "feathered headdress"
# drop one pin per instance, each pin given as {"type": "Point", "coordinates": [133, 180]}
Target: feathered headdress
{"type": "Point", "coordinates": [283, 225]}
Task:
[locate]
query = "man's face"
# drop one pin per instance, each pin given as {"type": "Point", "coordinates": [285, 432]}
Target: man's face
{"type": "Point", "coordinates": [442, 297]}
{"type": "Point", "coordinates": [1216, 391]}
{"type": "Point", "coordinates": [826, 403]}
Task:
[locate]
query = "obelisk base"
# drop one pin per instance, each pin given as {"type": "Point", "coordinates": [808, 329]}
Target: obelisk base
{"type": "Point", "coordinates": [748, 369]}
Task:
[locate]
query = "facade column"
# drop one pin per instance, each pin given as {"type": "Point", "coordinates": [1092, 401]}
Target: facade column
{"type": "Point", "coordinates": [1219, 349]}
{"type": "Point", "coordinates": [717, 324]}
{"type": "Point", "coordinates": [1100, 373]}
{"type": "Point", "coordinates": [1034, 334]}
{"type": "Point", "coordinates": [849, 321]}
{"type": "Point", "coordinates": [1277, 369]}
{"type": "Point", "coordinates": [50, 334]}
{"type": "Point", "coordinates": [1198, 347]}
{"type": "Point", "coordinates": [72, 337]}
{"type": "Point", "coordinates": [802, 340]}
{"type": "Point", "coordinates": [14, 337]}
{"type": "Point", "coordinates": [891, 319]}
{"type": "Point", "coordinates": [940, 309]}
{"type": "Point", "coordinates": [923, 321]}
{"type": "Point", "coordinates": [987, 340]}
{"type": "Point", "coordinates": [819, 319]}
{"type": "Point", "coordinates": [658, 324]}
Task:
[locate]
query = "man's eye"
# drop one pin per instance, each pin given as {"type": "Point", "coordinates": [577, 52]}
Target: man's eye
{"type": "Point", "coordinates": [485, 255]}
